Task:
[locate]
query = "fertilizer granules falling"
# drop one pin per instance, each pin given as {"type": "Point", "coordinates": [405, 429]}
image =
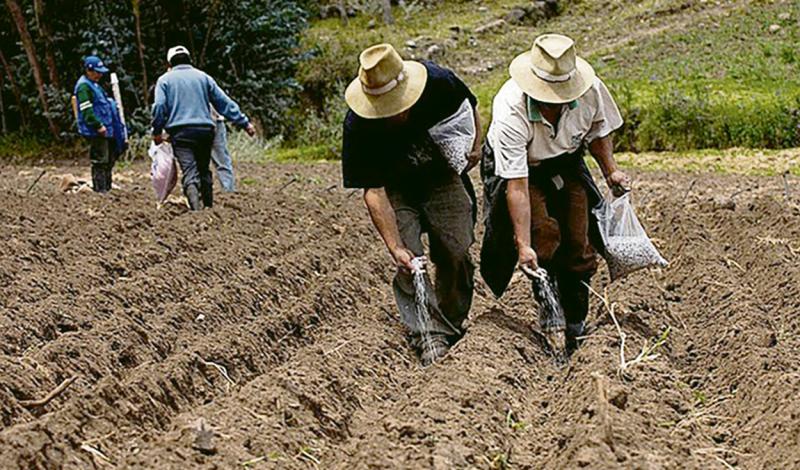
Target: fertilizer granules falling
{"type": "Point", "coordinates": [421, 301]}
{"type": "Point", "coordinates": [551, 314]}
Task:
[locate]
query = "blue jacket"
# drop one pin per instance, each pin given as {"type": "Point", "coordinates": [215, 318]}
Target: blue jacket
{"type": "Point", "coordinates": [183, 96]}
{"type": "Point", "coordinates": [104, 108]}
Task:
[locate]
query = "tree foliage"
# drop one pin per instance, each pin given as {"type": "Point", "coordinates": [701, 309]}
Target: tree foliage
{"type": "Point", "coordinates": [251, 47]}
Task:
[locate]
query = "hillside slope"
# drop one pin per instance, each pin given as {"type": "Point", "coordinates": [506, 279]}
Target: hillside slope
{"type": "Point", "coordinates": [687, 73]}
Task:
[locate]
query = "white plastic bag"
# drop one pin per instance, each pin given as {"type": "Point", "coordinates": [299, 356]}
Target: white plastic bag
{"type": "Point", "coordinates": [455, 136]}
{"type": "Point", "coordinates": [163, 170]}
{"type": "Point", "coordinates": [628, 248]}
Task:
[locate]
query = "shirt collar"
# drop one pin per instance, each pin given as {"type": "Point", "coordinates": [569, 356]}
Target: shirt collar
{"type": "Point", "coordinates": [533, 110]}
{"type": "Point", "coordinates": [182, 67]}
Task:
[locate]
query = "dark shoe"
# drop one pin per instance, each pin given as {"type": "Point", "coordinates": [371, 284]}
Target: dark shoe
{"type": "Point", "coordinates": [208, 199]}
{"type": "Point", "coordinates": [108, 179]}
{"type": "Point", "coordinates": [98, 180]}
{"type": "Point", "coordinates": [193, 195]}
{"type": "Point", "coordinates": [432, 348]}
{"type": "Point", "coordinates": [573, 333]}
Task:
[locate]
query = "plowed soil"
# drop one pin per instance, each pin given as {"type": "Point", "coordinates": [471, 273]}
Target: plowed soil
{"type": "Point", "coordinates": [269, 322]}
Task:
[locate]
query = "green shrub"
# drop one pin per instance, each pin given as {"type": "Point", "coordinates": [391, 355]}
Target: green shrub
{"type": "Point", "coordinates": [319, 127]}
{"type": "Point", "coordinates": [29, 148]}
{"type": "Point", "coordinates": [251, 47]}
{"type": "Point", "coordinates": [695, 116]}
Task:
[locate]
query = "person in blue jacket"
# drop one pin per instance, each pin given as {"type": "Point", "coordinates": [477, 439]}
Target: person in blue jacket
{"type": "Point", "coordinates": [182, 108]}
{"type": "Point", "coordinates": [97, 122]}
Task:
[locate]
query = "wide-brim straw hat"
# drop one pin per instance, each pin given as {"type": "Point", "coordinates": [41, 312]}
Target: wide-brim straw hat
{"type": "Point", "coordinates": [386, 85]}
{"type": "Point", "coordinates": [552, 72]}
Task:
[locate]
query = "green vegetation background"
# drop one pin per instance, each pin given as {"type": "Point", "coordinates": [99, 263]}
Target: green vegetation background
{"type": "Point", "coordinates": [687, 74]}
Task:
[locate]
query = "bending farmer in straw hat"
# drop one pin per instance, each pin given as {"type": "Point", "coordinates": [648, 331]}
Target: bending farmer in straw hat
{"type": "Point", "coordinates": [539, 193]}
{"type": "Point", "coordinates": [410, 188]}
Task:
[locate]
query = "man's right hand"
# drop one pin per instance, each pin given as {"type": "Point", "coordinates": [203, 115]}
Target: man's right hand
{"type": "Point", "coordinates": [250, 129]}
{"type": "Point", "coordinates": [528, 261]}
{"type": "Point", "coordinates": [102, 131]}
{"type": "Point", "coordinates": [403, 257]}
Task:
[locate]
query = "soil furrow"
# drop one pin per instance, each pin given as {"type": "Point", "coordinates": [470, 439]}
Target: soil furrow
{"type": "Point", "coordinates": [290, 292]}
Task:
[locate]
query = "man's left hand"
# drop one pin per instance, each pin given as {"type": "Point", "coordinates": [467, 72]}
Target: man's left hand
{"type": "Point", "coordinates": [619, 182]}
{"type": "Point", "coordinates": [250, 129]}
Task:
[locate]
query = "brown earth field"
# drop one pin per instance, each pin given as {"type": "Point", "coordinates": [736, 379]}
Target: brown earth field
{"type": "Point", "coordinates": [262, 334]}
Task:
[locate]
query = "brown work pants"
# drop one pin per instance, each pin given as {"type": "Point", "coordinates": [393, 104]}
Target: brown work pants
{"type": "Point", "coordinates": [560, 237]}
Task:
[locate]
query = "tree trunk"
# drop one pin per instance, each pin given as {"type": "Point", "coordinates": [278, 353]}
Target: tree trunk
{"type": "Point", "coordinates": [212, 21]}
{"type": "Point", "coordinates": [30, 51]}
{"type": "Point", "coordinates": [386, 5]}
{"type": "Point", "coordinates": [47, 37]}
{"type": "Point", "coordinates": [15, 90]}
{"type": "Point", "coordinates": [3, 125]}
{"type": "Point", "coordinates": [137, 15]}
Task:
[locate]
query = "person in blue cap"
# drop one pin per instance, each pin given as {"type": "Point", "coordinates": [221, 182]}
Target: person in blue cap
{"type": "Point", "coordinates": [97, 116]}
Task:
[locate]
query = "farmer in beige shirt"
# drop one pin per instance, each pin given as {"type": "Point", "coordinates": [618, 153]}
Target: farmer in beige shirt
{"type": "Point", "coordinates": [538, 191]}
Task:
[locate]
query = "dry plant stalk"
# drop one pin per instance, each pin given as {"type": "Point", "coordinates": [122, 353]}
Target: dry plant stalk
{"type": "Point", "coordinates": [306, 454]}
{"type": "Point", "coordinates": [602, 404]}
{"type": "Point", "coordinates": [772, 241]}
{"type": "Point", "coordinates": [50, 396]}
{"type": "Point", "coordinates": [699, 415]}
{"type": "Point", "coordinates": [96, 453]}
{"type": "Point", "coordinates": [648, 350]}
{"type": "Point", "coordinates": [221, 369]}
{"type": "Point", "coordinates": [622, 336]}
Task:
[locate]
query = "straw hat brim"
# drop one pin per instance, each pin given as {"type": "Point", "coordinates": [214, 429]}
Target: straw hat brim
{"type": "Point", "coordinates": [551, 92]}
{"type": "Point", "coordinates": [396, 101]}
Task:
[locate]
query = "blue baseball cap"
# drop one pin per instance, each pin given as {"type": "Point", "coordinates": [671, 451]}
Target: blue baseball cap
{"type": "Point", "coordinates": [94, 64]}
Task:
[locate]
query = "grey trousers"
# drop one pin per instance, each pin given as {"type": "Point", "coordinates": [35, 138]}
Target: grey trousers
{"type": "Point", "coordinates": [222, 158]}
{"type": "Point", "coordinates": [445, 214]}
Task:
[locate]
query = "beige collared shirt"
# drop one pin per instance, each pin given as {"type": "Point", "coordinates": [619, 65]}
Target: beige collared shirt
{"type": "Point", "coordinates": [521, 138]}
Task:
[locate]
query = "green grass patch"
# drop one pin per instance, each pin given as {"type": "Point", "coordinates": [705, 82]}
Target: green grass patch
{"type": "Point", "coordinates": [27, 147]}
{"type": "Point", "coordinates": [736, 46]}
{"type": "Point", "coordinates": [739, 161]}
{"type": "Point", "coordinates": [700, 115]}
{"type": "Point", "coordinates": [309, 154]}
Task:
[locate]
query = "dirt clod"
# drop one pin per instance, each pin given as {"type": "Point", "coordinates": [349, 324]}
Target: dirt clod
{"type": "Point", "coordinates": [203, 440]}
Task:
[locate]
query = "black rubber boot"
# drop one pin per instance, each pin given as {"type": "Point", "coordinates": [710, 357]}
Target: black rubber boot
{"type": "Point", "coordinates": [575, 299]}
{"type": "Point", "coordinates": [108, 179]}
{"type": "Point", "coordinates": [208, 198]}
{"type": "Point", "coordinates": [574, 331]}
{"type": "Point", "coordinates": [98, 179]}
{"type": "Point", "coordinates": [193, 195]}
